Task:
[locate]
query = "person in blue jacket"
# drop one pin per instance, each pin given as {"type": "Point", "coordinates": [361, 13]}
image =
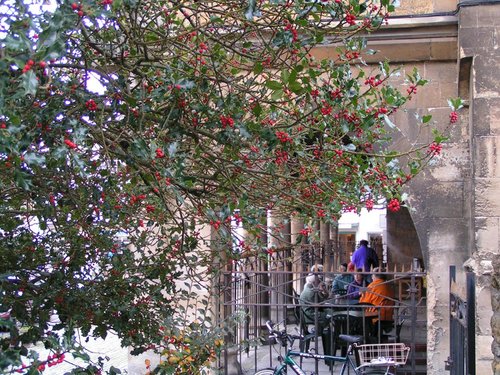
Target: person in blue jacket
{"type": "Point", "coordinates": [365, 257]}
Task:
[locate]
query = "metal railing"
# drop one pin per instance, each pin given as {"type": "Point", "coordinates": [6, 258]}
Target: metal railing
{"type": "Point", "coordinates": [462, 359]}
{"type": "Point", "coordinates": [257, 290]}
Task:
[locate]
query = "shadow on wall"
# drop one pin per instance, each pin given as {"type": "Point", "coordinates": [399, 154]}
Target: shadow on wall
{"type": "Point", "coordinates": [403, 244]}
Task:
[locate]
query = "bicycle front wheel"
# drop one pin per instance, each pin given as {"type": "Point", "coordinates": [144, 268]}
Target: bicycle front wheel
{"type": "Point", "coordinates": [267, 371]}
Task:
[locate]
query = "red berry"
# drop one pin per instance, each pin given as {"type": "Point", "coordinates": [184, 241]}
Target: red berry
{"type": "Point", "coordinates": [70, 144]}
{"type": "Point", "coordinates": [74, 6]}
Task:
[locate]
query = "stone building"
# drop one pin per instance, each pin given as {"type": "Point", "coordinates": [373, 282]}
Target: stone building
{"type": "Point", "coordinates": [456, 201]}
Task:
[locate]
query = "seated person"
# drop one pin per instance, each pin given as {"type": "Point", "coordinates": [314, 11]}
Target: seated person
{"type": "Point", "coordinates": [314, 292]}
{"type": "Point", "coordinates": [353, 290]}
{"type": "Point", "coordinates": [342, 281]}
{"type": "Point", "coordinates": [379, 293]}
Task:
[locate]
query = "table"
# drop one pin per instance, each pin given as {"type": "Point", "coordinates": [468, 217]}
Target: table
{"type": "Point", "coordinates": [338, 301]}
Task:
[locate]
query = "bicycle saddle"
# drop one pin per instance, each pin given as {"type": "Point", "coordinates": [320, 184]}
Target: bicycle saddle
{"type": "Point", "coordinates": [351, 339]}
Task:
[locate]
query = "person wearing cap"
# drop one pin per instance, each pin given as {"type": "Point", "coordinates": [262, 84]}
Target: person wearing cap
{"type": "Point", "coordinates": [314, 292]}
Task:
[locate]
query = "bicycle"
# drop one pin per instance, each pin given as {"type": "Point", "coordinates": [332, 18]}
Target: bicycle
{"type": "Point", "coordinates": [372, 358]}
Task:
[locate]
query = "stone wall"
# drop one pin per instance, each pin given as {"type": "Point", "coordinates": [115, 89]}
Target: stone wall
{"type": "Point", "coordinates": [440, 208]}
{"type": "Point", "coordinates": [495, 319]}
{"type": "Point", "coordinates": [479, 29]}
{"type": "Point", "coordinates": [425, 6]}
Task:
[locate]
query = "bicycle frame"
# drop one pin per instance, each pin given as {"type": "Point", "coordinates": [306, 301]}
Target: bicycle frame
{"type": "Point", "coordinates": [366, 352]}
{"type": "Point", "coordinates": [295, 367]}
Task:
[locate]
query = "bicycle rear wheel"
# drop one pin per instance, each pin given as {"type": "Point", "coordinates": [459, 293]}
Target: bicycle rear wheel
{"type": "Point", "coordinates": [267, 371]}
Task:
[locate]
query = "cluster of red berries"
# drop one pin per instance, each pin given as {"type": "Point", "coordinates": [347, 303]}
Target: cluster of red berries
{"type": "Point", "coordinates": [215, 224]}
{"type": "Point", "coordinates": [78, 8]}
{"type": "Point", "coordinates": [373, 82]}
{"type": "Point", "coordinates": [226, 121]}
{"type": "Point", "coordinates": [394, 205]}
{"type": "Point", "coordinates": [52, 360]}
{"type": "Point", "coordinates": [350, 19]}
{"type": "Point", "coordinates": [453, 117]}
{"type": "Point", "coordinates": [306, 231]}
{"type": "Point", "coordinates": [326, 109]}
{"type": "Point", "coordinates": [203, 47]}
{"type": "Point", "coordinates": [435, 148]}
{"type": "Point", "coordinates": [289, 27]}
{"type": "Point", "coordinates": [412, 89]}
{"type": "Point", "coordinates": [369, 204]}
{"type": "Point", "coordinates": [137, 198]}
{"type": "Point", "coordinates": [382, 111]}
{"type": "Point", "coordinates": [281, 157]}
{"type": "Point", "coordinates": [351, 55]}
{"type": "Point", "coordinates": [159, 153]}
{"type": "Point", "coordinates": [283, 137]}
{"type": "Point", "coordinates": [28, 66]}
{"type": "Point", "coordinates": [91, 105]}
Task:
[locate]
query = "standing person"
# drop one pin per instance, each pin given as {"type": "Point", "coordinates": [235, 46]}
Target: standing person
{"type": "Point", "coordinates": [365, 257]}
{"type": "Point", "coordinates": [353, 290]}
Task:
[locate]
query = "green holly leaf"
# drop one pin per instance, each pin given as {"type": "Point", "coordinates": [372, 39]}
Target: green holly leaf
{"type": "Point", "coordinates": [22, 180]}
{"type": "Point", "coordinates": [29, 83]}
{"type": "Point", "coordinates": [274, 85]}
{"type": "Point", "coordinates": [34, 159]}
{"type": "Point", "coordinates": [426, 119]}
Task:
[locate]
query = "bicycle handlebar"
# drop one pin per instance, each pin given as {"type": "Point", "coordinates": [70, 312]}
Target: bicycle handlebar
{"type": "Point", "coordinates": [282, 336]}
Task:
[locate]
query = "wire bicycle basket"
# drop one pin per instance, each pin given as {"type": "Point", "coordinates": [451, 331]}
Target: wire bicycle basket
{"type": "Point", "coordinates": [394, 353]}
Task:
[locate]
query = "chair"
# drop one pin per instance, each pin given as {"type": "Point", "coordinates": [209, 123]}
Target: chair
{"type": "Point", "coordinates": [303, 325]}
{"type": "Point", "coordinates": [391, 330]}
{"type": "Point", "coordinates": [344, 324]}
